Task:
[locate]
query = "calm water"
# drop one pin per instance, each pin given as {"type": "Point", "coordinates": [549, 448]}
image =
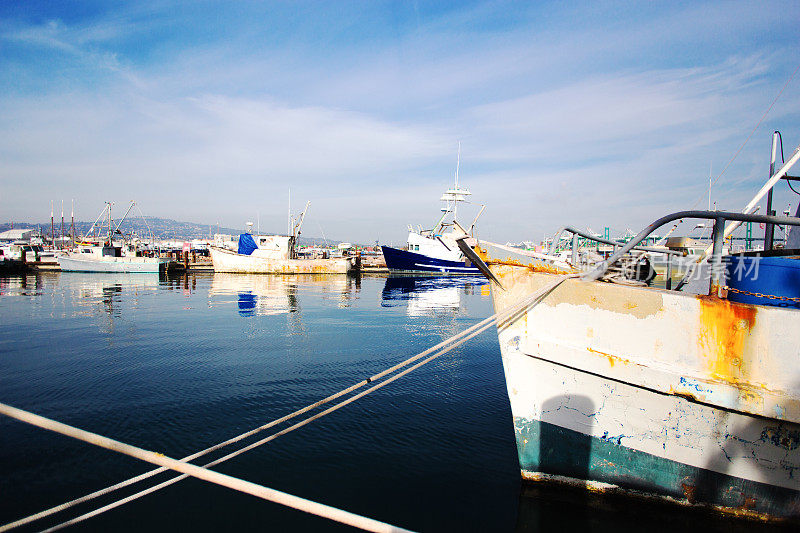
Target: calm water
{"type": "Point", "coordinates": [179, 364]}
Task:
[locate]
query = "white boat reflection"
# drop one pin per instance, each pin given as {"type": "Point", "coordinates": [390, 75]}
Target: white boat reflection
{"type": "Point", "coordinates": [424, 295]}
{"type": "Point", "coordinates": [99, 284]}
{"type": "Point", "coordinates": [263, 295]}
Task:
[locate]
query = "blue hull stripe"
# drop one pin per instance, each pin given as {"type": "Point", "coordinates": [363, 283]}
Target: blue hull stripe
{"type": "Point", "coordinates": [550, 449]}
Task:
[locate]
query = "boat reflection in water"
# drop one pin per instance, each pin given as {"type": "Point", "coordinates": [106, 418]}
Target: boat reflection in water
{"type": "Point", "coordinates": [425, 295]}
{"type": "Point", "coordinates": [21, 285]}
{"type": "Point", "coordinates": [273, 294]}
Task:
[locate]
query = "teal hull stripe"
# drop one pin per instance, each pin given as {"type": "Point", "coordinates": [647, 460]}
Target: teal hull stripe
{"type": "Point", "coordinates": [551, 449]}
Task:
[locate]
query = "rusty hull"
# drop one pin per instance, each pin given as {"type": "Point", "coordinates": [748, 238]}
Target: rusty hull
{"type": "Point", "coordinates": [670, 389]}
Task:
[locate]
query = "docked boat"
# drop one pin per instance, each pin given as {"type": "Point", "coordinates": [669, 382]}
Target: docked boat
{"type": "Point", "coordinates": [690, 394]}
{"type": "Point", "coordinates": [106, 255]}
{"type": "Point", "coordinates": [278, 262]}
{"type": "Point", "coordinates": [274, 254]}
{"type": "Point", "coordinates": [435, 250]}
{"type": "Point", "coordinates": [108, 258]}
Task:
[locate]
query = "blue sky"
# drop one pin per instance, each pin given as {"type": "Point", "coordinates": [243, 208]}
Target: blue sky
{"type": "Point", "coordinates": [595, 114]}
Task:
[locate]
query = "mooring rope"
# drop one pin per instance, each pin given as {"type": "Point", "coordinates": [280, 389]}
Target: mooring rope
{"type": "Point", "coordinates": [240, 485]}
{"type": "Point", "coordinates": [445, 346]}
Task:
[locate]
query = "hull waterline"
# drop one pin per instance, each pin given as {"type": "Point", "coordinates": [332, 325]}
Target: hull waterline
{"type": "Point", "coordinates": [115, 264]}
{"type": "Point", "coordinates": [229, 261]}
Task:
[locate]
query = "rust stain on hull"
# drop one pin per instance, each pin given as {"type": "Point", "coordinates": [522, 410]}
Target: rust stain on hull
{"type": "Point", "coordinates": [536, 266]}
{"type": "Point", "coordinates": [723, 331]}
{"type": "Point", "coordinates": [612, 359]}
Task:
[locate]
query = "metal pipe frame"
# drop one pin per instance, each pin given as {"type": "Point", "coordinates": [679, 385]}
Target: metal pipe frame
{"type": "Point", "coordinates": [719, 217]}
{"type": "Point", "coordinates": [585, 235]}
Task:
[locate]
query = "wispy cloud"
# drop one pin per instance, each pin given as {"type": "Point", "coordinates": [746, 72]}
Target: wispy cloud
{"type": "Point", "coordinates": [595, 115]}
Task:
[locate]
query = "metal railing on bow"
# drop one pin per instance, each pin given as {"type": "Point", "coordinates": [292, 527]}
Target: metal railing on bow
{"type": "Point", "coordinates": [719, 218]}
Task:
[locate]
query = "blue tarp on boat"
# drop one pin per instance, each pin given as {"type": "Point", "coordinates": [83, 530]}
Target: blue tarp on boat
{"type": "Point", "coordinates": [246, 244]}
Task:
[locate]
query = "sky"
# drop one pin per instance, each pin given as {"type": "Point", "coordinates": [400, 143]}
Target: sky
{"type": "Point", "coordinates": [596, 114]}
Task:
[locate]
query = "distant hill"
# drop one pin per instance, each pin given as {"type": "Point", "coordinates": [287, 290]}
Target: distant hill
{"type": "Point", "coordinates": [162, 228]}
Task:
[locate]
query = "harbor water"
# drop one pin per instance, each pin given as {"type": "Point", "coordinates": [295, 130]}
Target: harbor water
{"type": "Point", "coordinates": [178, 364]}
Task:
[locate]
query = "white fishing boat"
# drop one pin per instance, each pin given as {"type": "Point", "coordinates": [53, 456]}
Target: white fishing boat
{"type": "Point", "coordinates": [274, 254]}
{"type": "Point", "coordinates": [106, 255]}
{"type": "Point", "coordinates": [101, 258]}
{"type": "Point", "coordinates": [690, 394]}
{"type": "Point", "coordinates": [225, 260]}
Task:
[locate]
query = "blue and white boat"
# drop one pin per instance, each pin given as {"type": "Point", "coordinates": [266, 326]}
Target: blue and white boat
{"type": "Point", "coordinates": [435, 250]}
{"type": "Point", "coordinates": [405, 261]}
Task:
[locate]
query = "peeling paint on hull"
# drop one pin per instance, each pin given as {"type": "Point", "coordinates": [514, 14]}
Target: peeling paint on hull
{"type": "Point", "coordinates": [691, 398]}
{"type": "Point", "coordinates": [228, 261]}
{"type": "Point", "coordinates": [570, 457]}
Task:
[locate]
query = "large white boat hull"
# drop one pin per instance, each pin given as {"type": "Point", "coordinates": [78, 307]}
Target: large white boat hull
{"type": "Point", "coordinates": [228, 261]}
{"type": "Point", "coordinates": [681, 396]}
{"type": "Point", "coordinates": [70, 263]}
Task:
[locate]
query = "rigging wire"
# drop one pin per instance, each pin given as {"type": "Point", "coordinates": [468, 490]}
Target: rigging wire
{"type": "Point", "coordinates": [741, 147]}
{"type": "Point", "coordinates": [788, 182]}
{"type": "Point", "coordinates": [754, 130]}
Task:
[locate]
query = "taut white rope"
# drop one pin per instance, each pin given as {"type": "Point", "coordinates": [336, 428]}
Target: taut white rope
{"type": "Point", "coordinates": [240, 485]}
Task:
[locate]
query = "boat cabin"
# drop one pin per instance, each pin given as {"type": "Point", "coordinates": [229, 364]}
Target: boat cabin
{"type": "Point", "coordinates": [267, 246]}
{"type": "Point", "coordinates": [97, 252]}
{"type": "Point", "coordinates": [438, 246]}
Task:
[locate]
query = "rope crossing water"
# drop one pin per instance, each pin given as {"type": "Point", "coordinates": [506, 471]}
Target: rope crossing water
{"type": "Point", "coordinates": [187, 469]}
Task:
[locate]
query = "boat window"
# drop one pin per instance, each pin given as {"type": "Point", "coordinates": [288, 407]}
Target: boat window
{"type": "Point", "coordinates": [85, 251]}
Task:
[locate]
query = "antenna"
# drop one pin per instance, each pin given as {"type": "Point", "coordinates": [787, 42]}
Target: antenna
{"type": "Point", "coordinates": [458, 162]}
{"type": "Point", "coordinates": [710, 183]}
{"type": "Point", "coordinates": [323, 234]}
{"type": "Point", "coordinates": [455, 201]}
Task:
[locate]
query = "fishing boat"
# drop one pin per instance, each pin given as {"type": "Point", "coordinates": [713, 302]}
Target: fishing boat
{"type": "Point", "coordinates": [435, 250]}
{"type": "Point", "coordinates": [92, 257]}
{"type": "Point", "coordinates": [108, 253]}
{"type": "Point", "coordinates": [689, 394]}
{"type": "Point", "coordinates": [274, 254]}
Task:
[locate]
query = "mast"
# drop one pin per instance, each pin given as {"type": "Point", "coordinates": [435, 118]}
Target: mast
{"type": "Point", "coordinates": [52, 226]}
{"type": "Point", "coordinates": [458, 164]}
{"type": "Point", "coordinates": [453, 196]}
{"type": "Point", "coordinates": [769, 229]}
{"type": "Point", "coordinates": [61, 243]}
{"type": "Point", "coordinates": [72, 224]}
{"type": "Point", "coordinates": [95, 225]}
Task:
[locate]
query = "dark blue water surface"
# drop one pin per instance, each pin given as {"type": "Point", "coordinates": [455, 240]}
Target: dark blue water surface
{"type": "Point", "coordinates": [179, 364]}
